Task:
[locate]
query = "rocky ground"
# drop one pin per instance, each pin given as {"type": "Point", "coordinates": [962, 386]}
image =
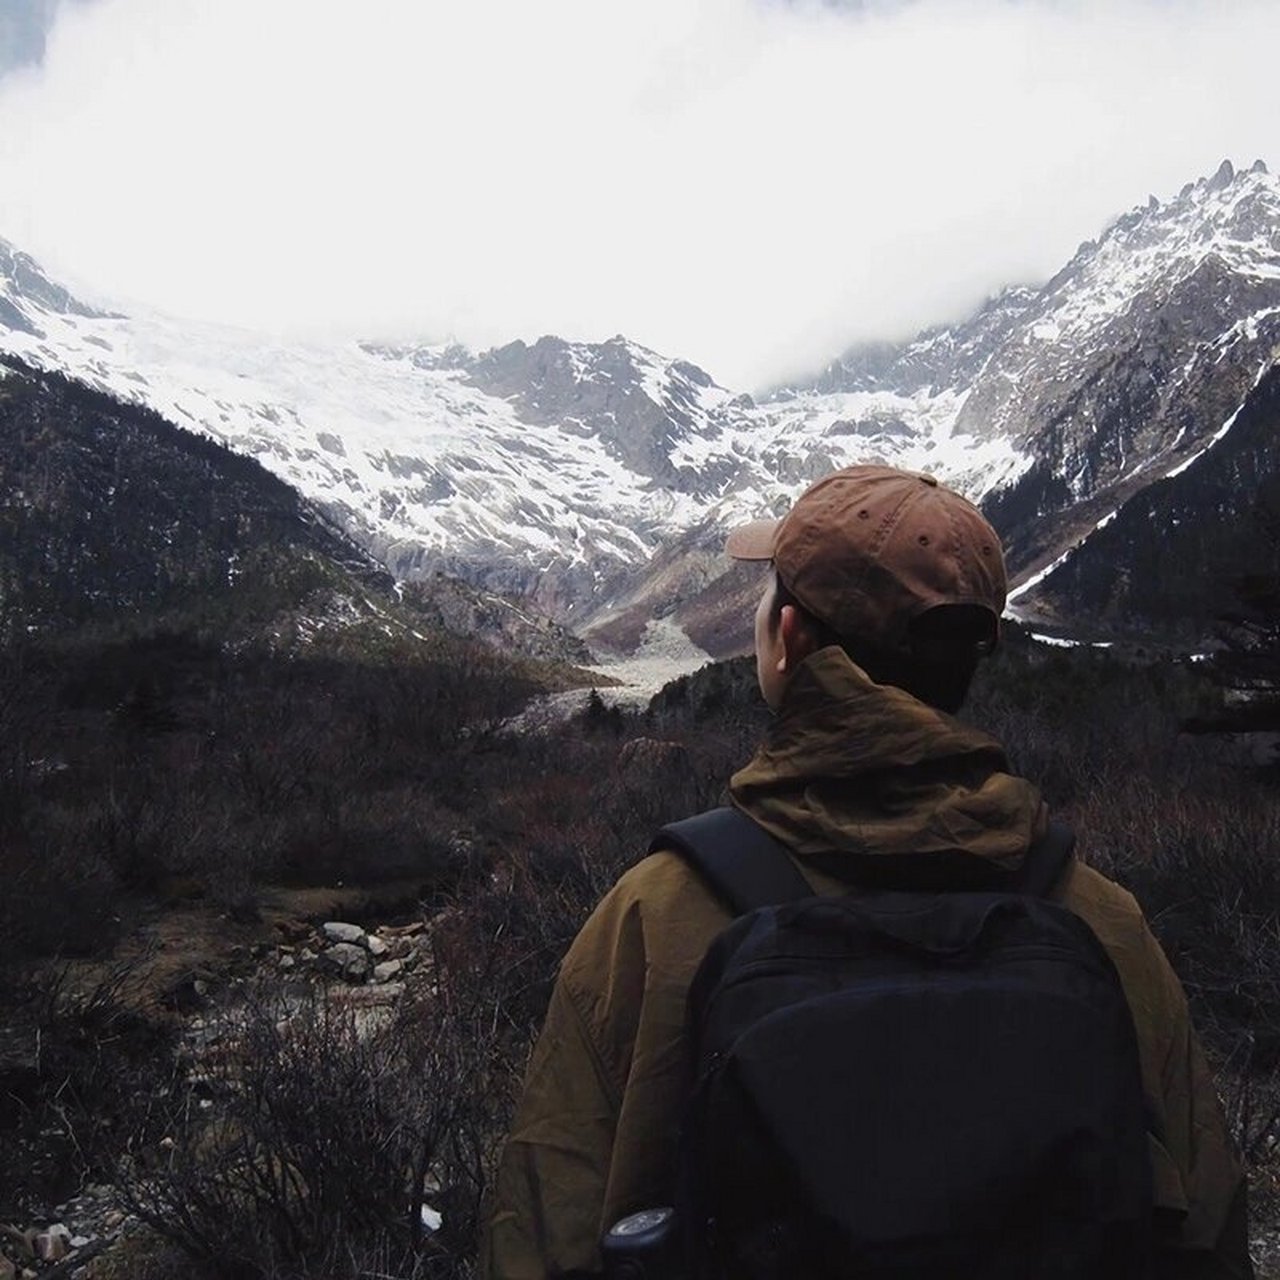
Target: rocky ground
{"type": "Point", "coordinates": [193, 964]}
{"type": "Point", "coordinates": [90, 1235]}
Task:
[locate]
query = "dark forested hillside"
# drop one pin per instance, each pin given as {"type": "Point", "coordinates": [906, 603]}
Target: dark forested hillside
{"type": "Point", "coordinates": [106, 507]}
{"type": "Point", "coordinates": [1168, 560]}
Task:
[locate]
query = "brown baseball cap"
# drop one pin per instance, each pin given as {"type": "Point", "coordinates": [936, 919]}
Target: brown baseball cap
{"type": "Point", "coordinates": [869, 549]}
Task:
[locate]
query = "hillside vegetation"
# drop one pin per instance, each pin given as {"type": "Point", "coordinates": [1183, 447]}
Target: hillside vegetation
{"type": "Point", "coordinates": [234, 775]}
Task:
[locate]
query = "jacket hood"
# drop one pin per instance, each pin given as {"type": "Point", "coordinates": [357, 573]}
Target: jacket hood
{"type": "Point", "coordinates": [853, 767]}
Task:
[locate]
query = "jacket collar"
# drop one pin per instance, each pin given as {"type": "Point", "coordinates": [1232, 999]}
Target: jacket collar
{"type": "Point", "coordinates": [853, 767]}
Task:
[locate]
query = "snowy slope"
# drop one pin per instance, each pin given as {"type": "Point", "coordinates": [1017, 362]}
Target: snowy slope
{"type": "Point", "coordinates": [568, 459]}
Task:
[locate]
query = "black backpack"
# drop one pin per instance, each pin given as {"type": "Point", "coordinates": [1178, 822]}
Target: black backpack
{"type": "Point", "coordinates": [934, 1079]}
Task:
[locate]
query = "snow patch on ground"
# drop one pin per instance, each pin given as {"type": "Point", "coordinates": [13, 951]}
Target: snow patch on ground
{"type": "Point", "coordinates": [1063, 642]}
{"type": "Point", "coordinates": [665, 654]}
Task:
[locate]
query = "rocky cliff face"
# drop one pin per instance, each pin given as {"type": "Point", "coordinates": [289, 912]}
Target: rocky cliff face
{"type": "Point", "coordinates": [1124, 369]}
{"type": "Point", "coordinates": [639, 408]}
{"type": "Point", "coordinates": [1136, 355]}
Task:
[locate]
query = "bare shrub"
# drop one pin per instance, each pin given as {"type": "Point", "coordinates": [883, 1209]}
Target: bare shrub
{"type": "Point", "coordinates": [1204, 868]}
{"type": "Point", "coordinates": [330, 1126]}
{"type": "Point", "coordinates": [1251, 1098]}
{"type": "Point", "coordinates": [72, 1056]}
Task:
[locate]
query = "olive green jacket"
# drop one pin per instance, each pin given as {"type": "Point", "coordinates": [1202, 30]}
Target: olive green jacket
{"type": "Point", "coordinates": [849, 767]}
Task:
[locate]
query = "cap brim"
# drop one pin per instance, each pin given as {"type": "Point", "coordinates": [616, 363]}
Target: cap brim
{"type": "Point", "coordinates": [753, 541]}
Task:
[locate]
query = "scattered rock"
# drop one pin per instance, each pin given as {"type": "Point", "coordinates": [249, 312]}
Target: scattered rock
{"type": "Point", "coordinates": [382, 996]}
{"type": "Point", "coordinates": [405, 930]}
{"type": "Point", "coordinates": [340, 931]}
{"type": "Point", "coordinates": [399, 948]}
{"type": "Point", "coordinates": [333, 962]}
{"type": "Point", "coordinates": [351, 961]}
{"type": "Point", "coordinates": [54, 1243]}
{"type": "Point", "coordinates": [189, 992]}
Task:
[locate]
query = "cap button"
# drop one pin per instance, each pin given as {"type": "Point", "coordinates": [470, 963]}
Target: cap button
{"type": "Point", "coordinates": [931, 481]}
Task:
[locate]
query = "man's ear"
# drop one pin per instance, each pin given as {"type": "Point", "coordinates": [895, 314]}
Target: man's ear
{"type": "Point", "coordinates": [798, 638]}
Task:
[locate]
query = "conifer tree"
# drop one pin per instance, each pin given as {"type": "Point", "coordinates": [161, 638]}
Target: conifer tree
{"type": "Point", "coordinates": [1247, 666]}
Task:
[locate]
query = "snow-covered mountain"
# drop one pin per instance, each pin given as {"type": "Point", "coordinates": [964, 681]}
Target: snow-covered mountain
{"type": "Point", "coordinates": [547, 469]}
{"type": "Point", "coordinates": [596, 477]}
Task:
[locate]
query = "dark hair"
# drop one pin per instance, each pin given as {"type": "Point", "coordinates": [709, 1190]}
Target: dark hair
{"type": "Point", "coordinates": [945, 645]}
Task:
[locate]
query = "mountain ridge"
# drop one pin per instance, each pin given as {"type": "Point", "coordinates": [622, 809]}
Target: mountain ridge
{"type": "Point", "coordinates": [596, 478]}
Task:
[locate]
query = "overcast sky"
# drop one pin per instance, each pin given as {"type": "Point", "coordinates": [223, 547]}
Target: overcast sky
{"type": "Point", "coordinates": [750, 184]}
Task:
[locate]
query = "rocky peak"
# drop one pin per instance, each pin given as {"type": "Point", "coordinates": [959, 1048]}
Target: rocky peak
{"type": "Point", "coordinates": [22, 279]}
{"type": "Point", "coordinates": [1223, 178]}
{"type": "Point", "coordinates": [939, 357]}
{"type": "Point", "coordinates": [639, 404]}
{"type": "Point", "coordinates": [1233, 214]}
{"type": "Point", "coordinates": [431, 356]}
{"type": "Point", "coordinates": [1157, 278]}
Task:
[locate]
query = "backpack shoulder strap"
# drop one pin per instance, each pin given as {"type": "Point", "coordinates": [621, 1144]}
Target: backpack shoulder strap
{"type": "Point", "coordinates": [1046, 860]}
{"type": "Point", "coordinates": [741, 861]}
{"type": "Point", "coordinates": [748, 868]}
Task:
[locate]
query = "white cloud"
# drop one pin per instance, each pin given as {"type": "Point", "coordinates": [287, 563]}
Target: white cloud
{"type": "Point", "coordinates": [748, 183]}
